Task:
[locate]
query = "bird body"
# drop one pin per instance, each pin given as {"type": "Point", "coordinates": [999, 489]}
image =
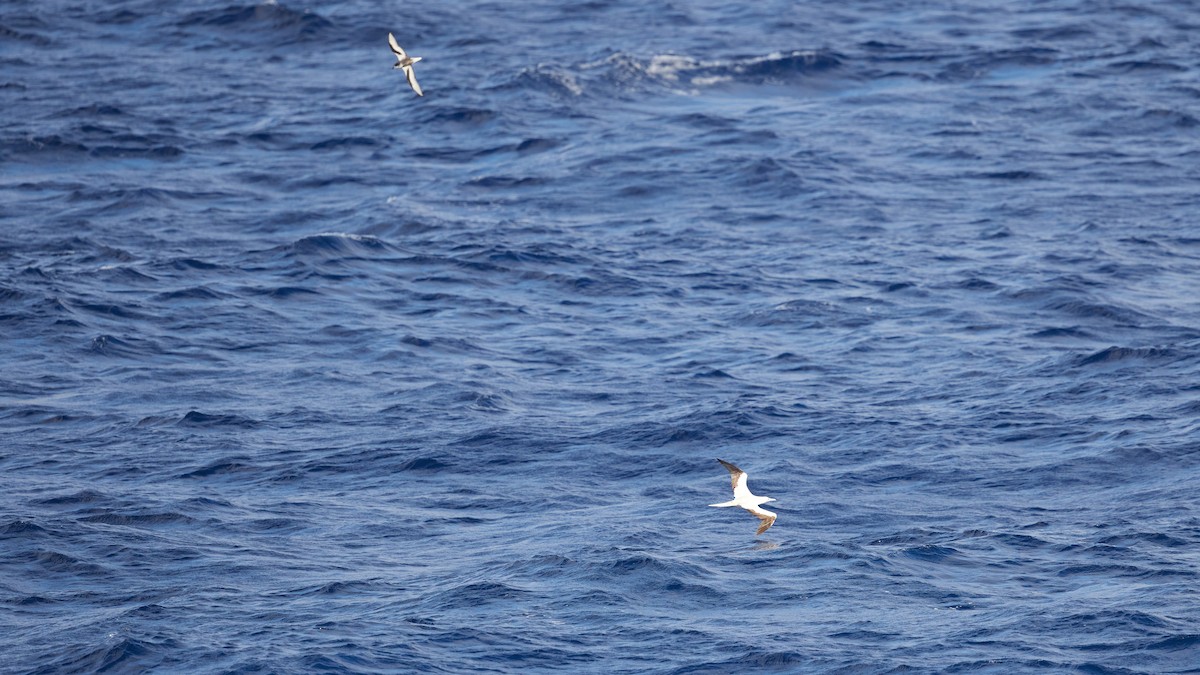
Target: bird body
{"type": "Point", "coordinates": [742, 497]}
{"type": "Point", "coordinates": [405, 63]}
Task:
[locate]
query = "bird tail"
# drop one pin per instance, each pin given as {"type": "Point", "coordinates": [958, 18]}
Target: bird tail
{"type": "Point", "coordinates": [729, 503]}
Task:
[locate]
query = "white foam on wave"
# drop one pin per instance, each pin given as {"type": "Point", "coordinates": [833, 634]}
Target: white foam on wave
{"type": "Point", "coordinates": [671, 67]}
{"type": "Point", "coordinates": [347, 235]}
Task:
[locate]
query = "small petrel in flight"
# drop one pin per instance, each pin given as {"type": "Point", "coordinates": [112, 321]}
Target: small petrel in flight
{"type": "Point", "coordinates": [743, 498]}
{"type": "Point", "coordinates": [405, 64]}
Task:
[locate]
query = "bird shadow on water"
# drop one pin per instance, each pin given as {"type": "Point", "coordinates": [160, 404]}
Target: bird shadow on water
{"type": "Point", "coordinates": [757, 547]}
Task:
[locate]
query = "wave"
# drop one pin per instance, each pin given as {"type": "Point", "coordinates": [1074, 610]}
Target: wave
{"type": "Point", "coordinates": [1117, 354]}
{"type": "Point", "coordinates": [137, 520]}
{"type": "Point", "coordinates": [622, 73]}
{"type": "Point", "coordinates": [268, 16]}
{"type": "Point", "coordinates": [475, 594]}
{"type": "Point", "coordinates": [196, 419]}
{"type": "Point", "coordinates": [126, 655]}
{"type": "Point", "coordinates": [771, 69]}
{"type": "Point", "coordinates": [810, 314]}
{"type": "Point", "coordinates": [337, 244]}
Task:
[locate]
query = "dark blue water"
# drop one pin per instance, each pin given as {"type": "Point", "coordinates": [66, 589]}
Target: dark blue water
{"type": "Point", "coordinates": [300, 372]}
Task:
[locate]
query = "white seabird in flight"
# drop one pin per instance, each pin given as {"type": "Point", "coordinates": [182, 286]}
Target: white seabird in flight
{"type": "Point", "coordinates": [405, 64]}
{"type": "Point", "coordinates": [743, 498]}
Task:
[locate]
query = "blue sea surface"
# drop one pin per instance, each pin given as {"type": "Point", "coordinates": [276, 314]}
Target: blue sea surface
{"type": "Point", "coordinates": [301, 372]}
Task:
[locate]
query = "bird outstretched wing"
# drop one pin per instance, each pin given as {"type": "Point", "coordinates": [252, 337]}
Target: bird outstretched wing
{"type": "Point", "coordinates": [412, 80]}
{"type": "Point", "coordinates": [767, 518]}
{"type": "Point", "coordinates": [738, 478]}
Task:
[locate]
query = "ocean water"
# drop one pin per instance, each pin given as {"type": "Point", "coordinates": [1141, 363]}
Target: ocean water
{"type": "Point", "coordinates": [300, 372]}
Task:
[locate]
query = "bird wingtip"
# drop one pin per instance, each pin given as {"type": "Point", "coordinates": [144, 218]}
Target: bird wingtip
{"type": "Point", "coordinates": [765, 525]}
{"type": "Point", "coordinates": [729, 466]}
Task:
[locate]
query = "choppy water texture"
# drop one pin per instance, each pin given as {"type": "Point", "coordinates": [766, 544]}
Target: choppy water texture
{"type": "Point", "coordinates": [300, 372]}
